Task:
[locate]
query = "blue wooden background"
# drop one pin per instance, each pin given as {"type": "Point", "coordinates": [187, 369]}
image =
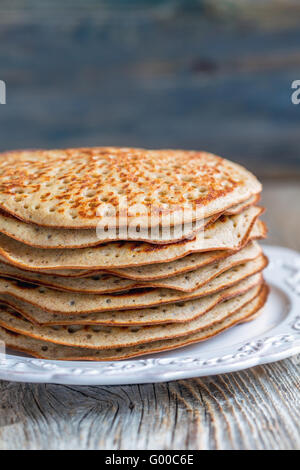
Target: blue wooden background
{"type": "Point", "coordinates": [212, 75]}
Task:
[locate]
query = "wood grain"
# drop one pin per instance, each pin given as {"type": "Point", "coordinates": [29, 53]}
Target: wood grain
{"type": "Point", "coordinates": [254, 409]}
{"type": "Point", "coordinates": [200, 74]}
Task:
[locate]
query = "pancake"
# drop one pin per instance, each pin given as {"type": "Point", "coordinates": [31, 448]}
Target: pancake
{"type": "Point", "coordinates": [107, 337]}
{"type": "Point", "coordinates": [238, 208]}
{"type": "Point", "coordinates": [105, 283]}
{"type": "Point", "coordinates": [110, 253]}
{"type": "Point", "coordinates": [85, 188]}
{"type": "Point", "coordinates": [75, 303]}
{"type": "Point", "coordinates": [227, 233]}
{"type": "Point", "coordinates": [49, 237]}
{"type": "Point", "coordinates": [188, 263]}
{"type": "Point", "coordinates": [97, 283]}
{"type": "Point", "coordinates": [178, 312]}
{"type": "Point", "coordinates": [46, 350]}
{"type": "Point", "coordinates": [155, 271]}
{"type": "Point", "coordinates": [162, 270]}
{"type": "Point", "coordinates": [60, 272]}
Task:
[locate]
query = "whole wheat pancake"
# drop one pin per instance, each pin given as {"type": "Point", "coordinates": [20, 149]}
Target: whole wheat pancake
{"type": "Point", "coordinates": [155, 271]}
{"type": "Point", "coordinates": [238, 208]}
{"type": "Point", "coordinates": [49, 237]}
{"type": "Point", "coordinates": [74, 303]}
{"type": "Point", "coordinates": [46, 350]}
{"type": "Point", "coordinates": [106, 337]}
{"type": "Point", "coordinates": [189, 282]}
{"type": "Point", "coordinates": [179, 312]}
{"type": "Point", "coordinates": [63, 272]}
{"type": "Point", "coordinates": [105, 283]}
{"type": "Point", "coordinates": [227, 233]}
{"type": "Point", "coordinates": [188, 263]}
{"type": "Point", "coordinates": [79, 188]}
{"type": "Point", "coordinates": [96, 283]}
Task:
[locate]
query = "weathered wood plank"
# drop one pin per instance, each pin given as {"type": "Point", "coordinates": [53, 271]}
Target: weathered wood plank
{"type": "Point", "coordinates": [246, 410]}
{"type": "Point", "coordinates": [168, 74]}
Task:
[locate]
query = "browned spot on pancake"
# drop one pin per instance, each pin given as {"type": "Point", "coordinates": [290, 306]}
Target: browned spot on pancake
{"type": "Point", "coordinates": [78, 181]}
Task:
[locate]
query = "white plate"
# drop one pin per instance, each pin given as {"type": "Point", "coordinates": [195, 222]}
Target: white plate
{"type": "Point", "coordinates": [274, 335]}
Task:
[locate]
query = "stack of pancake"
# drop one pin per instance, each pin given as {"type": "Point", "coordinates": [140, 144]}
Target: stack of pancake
{"type": "Point", "coordinates": [112, 253]}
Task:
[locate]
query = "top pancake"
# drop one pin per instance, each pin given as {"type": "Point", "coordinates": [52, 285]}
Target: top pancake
{"type": "Point", "coordinates": [81, 188]}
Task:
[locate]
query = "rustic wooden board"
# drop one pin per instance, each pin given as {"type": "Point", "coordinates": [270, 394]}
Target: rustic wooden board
{"type": "Point", "coordinates": [257, 408]}
{"type": "Point", "coordinates": [254, 409]}
{"type": "Point", "coordinates": [199, 74]}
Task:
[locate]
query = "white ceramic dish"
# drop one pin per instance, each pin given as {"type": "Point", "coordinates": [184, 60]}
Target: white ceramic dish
{"type": "Point", "coordinates": [272, 336]}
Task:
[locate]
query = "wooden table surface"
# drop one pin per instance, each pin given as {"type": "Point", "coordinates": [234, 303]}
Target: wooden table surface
{"type": "Point", "coordinates": [257, 408]}
{"type": "Point", "coordinates": [198, 74]}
